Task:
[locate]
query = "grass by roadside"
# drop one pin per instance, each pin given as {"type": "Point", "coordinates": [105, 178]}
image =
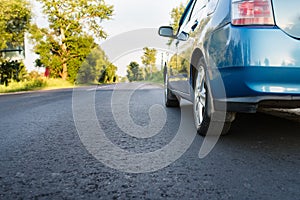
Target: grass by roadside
{"type": "Point", "coordinates": [35, 84]}
{"type": "Point", "coordinates": [47, 84]}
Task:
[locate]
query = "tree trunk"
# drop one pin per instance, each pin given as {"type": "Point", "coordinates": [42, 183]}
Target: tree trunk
{"type": "Point", "coordinates": [64, 73]}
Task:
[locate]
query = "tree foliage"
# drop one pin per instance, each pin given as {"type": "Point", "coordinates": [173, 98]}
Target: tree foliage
{"type": "Point", "coordinates": [176, 14]}
{"type": "Point", "coordinates": [15, 18]}
{"type": "Point", "coordinates": [69, 39]}
{"type": "Point", "coordinates": [93, 67]}
{"type": "Point", "coordinates": [134, 72]}
{"type": "Point", "coordinates": [12, 70]}
{"type": "Point", "coordinates": [108, 74]}
{"type": "Point", "coordinates": [149, 60]}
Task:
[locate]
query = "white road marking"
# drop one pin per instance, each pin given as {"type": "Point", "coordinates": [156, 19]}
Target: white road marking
{"type": "Point", "coordinates": [98, 88]}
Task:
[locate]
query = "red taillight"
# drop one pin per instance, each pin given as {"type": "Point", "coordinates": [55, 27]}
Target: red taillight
{"type": "Point", "coordinates": [252, 12]}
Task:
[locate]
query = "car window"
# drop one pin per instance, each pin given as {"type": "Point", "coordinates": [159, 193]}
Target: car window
{"type": "Point", "coordinates": [194, 14]}
{"type": "Point", "coordinates": [200, 4]}
{"type": "Point", "coordinates": [187, 13]}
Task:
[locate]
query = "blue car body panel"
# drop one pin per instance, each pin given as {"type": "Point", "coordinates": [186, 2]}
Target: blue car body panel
{"type": "Point", "coordinates": [255, 61]}
{"type": "Point", "coordinates": [255, 64]}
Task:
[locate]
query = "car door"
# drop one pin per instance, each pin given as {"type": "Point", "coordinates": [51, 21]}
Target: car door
{"type": "Point", "coordinates": [185, 45]}
{"type": "Point", "coordinates": [179, 65]}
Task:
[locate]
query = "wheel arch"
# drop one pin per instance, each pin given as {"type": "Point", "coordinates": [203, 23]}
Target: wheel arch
{"type": "Point", "coordinates": [196, 57]}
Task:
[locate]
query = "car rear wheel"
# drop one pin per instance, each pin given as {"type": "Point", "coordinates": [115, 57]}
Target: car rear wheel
{"type": "Point", "coordinates": [201, 118]}
{"type": "Point", "coordinates": [201, 105]}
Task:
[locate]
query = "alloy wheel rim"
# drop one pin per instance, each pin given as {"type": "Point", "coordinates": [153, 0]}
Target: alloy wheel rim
{"type": "Point", "coordinates": [199, 98]}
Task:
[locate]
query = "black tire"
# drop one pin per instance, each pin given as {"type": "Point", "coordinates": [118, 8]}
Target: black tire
{"type": "Point", "coordinates": [170, 99]}
{"type": "Point", "coordinates": [201, 106]}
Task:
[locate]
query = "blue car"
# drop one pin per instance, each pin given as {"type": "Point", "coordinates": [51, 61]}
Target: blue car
{"type": "Point", "coordinates": [234, 56]}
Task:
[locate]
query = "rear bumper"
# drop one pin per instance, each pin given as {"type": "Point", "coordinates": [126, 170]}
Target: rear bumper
{"type": "Point", "coordinates": [247, 89]}
{"type": "Point", "coordinates": [253, 104]}
{"type": "Point", "coordinates": [258, 67]}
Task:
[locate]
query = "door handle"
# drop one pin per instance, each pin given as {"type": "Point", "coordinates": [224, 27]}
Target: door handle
{"type": "Point", "coordinates": [195, 25]}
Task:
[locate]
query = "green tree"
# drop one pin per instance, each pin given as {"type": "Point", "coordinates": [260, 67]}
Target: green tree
{"type": "Point", "coordinates": [12, 70]}
{"type": "Point", "coordinates": [134, 72]}
{"type": "Point", "coordinates": [69, 39]}
{"type": "Point", "coordinates": [149, 60]}
{"type": "Point", "coordinates": [109, 74]}
{"type": "Point", "coordinates": [15, 18]}
{"type": "Point", "coordinates": [93, 66]}
{"type": "Point", "coordinates": [176, 14]}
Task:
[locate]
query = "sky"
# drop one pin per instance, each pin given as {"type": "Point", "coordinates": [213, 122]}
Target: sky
{"type": "Point", "coordinates": [136, 14]}
{"type": "Point", "coordinates": [128, 16]}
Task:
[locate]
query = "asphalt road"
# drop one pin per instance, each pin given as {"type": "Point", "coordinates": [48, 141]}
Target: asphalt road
{"type": "Point", "coordinates": [42, 155]}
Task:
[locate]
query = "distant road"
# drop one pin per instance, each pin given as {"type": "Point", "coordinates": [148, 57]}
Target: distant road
{"type": "Point", "coordinates": [42, 156]}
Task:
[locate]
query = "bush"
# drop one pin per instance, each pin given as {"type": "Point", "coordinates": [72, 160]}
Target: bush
{"type": "Point", "coordinates": [35, 84]}
{"type": "Point", "coordinates": [23, 86]}
{"type": "Point", "coordinates": [157, 77]}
